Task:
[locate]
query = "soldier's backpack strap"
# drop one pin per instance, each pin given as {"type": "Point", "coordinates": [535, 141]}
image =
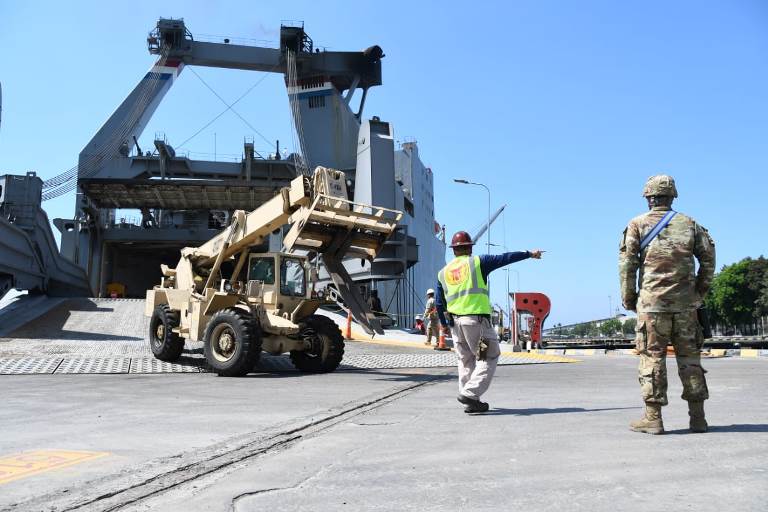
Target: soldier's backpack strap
{"type": "Point", "coordinates": [657, 229]}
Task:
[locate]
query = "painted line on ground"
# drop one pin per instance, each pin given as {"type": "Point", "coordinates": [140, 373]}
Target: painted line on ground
{"type": "Point", "coordinates": [23, 465]}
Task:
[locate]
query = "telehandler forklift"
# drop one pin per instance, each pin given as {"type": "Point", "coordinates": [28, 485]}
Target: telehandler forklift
{"type": "Point", "coordinates": [240, 302]}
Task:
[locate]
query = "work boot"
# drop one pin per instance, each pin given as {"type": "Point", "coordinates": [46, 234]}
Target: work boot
{"type": "Point", "coordinates": [651, 423]}
{"type": "Point", "coordinates": [428, 343]}
{"type": "Point", "coordinates": [698, 422]}
{"type": "Point", "coordinates": [476, 407]}
{"type": "Point", "coordinates": [472, 404]}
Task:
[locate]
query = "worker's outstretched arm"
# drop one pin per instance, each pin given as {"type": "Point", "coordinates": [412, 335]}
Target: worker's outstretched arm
{"type": "Point", "coordinates": [490, 262]}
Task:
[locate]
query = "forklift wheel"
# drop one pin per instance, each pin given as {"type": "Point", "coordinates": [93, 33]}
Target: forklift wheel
{"type": "Point", "coordinates": [327, 346]}
{"type": "Point", "coordinates": [232, 343]}
{"type": "Point", "coordinates": [166, 345]}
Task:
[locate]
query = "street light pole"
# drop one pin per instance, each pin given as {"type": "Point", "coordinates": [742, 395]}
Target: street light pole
{"type": "Point", "coordinates": [518, 278]}
{"type": "Point", "coordinates": [466, 182]}
{"type": "Point", "coordinates": [509, 305]}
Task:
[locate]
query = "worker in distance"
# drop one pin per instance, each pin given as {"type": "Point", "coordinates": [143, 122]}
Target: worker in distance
{"type": "Point", "coordinates": [431, 322]}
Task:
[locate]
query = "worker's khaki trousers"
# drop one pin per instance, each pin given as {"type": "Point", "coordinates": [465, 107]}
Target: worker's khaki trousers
{"type": "Point", "coordinates": [474, 376]}
{"type": "Point", "coordinates": [433, 329]}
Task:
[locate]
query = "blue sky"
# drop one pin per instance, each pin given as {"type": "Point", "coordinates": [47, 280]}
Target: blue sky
{"type": "Point", "coordinates": [562, 108]}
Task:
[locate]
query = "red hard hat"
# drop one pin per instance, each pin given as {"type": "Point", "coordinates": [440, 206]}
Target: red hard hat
{"type": "Point", "coordinates": [461, 238]}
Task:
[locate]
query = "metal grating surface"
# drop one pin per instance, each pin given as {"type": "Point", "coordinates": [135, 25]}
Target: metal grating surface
{"type": "Point", "coordinates": [267, 363]}
{"type": "Point", "coordinates": [400, 360]}
{"type": "Point", "coordinates": [94, 365]}
{"type": "Point", "coordinates": [28, 365]}
{"type": "Point", "coordinates": [390, 361]}
{"type": "Point", "coordinates": [152, 365]}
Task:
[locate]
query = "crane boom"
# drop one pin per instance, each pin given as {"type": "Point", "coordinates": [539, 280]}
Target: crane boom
{"type": "Point", "coordinates": [250, 229]}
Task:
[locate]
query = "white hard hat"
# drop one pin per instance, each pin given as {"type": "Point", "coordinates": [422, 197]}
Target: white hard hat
{"type": "Point", "coordinates": [430, 291]}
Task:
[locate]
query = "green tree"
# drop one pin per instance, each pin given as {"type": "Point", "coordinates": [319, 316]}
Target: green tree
{"type": "Point", "coordinates": [592, 329]}
{"type": "Point", "coordinates": [580, 329]}
{"type": "Point", "coordinates": [762, 299]}
{"type": "Point", "coordinates": [610, 327]}
{"type": "Point", "coordinates": [739, 293]}
{"type": "Point", "coordinates": [757, 282]}
{"type": "Point", "coordinates": [629, 326]}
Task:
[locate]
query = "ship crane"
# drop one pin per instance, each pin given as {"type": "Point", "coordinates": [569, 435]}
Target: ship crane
{"type": "Point", "coordinates": [179, 196]}
{"type": "Point", "coordinates": [185, 202]}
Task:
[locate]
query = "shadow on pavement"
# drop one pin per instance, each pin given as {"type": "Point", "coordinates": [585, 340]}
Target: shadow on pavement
{"type": "Point", "coordinates": [556, 410]}
{"type": "Point", "coordinates": [756, 427]}
{"type": "Point", "coordinates": [393, 376]}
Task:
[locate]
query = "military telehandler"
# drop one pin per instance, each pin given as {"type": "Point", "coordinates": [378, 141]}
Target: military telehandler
{"type": "Point", "coordinates": [240, 302]}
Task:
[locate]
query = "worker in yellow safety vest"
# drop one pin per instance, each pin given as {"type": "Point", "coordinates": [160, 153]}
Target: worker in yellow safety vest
{"type": "Point", "coordinates": [462, 291]}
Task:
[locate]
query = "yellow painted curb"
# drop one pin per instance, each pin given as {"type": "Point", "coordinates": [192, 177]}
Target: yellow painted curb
{"type": "Point", "coordinates": [358, 337]}
{"type": "Point", "coordinates": [542, 357]}
{"type": "Point", "coordinates": [749, 352]}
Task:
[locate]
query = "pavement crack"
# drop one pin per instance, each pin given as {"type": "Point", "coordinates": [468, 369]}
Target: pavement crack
{"type": "Point", "coordinates": [293, 487]}
{"type": "Point", "coordinates": [119, 491]}
{"type": "Point", "coordinates": [254, 493]}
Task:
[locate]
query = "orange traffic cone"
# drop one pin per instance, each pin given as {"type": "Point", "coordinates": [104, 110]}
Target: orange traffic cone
{"type": "Point", "coordinates": [348, 330]}
{"type": "Point", "coordinates": [441, 341]}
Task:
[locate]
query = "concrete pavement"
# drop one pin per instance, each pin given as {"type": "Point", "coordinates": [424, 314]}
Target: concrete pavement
{"type": "Point", "coordinates": [556, 438]}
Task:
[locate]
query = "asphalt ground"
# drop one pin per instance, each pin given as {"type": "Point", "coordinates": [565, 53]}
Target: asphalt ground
{"type": "Point", "coordinates": [556, 438]}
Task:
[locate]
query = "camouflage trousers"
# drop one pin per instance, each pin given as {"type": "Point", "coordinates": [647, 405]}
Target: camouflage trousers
{"type": "Point", "coordinates": [681, 330]}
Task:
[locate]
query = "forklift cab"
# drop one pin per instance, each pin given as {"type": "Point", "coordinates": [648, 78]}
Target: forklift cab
{"type": "Point", "coordinates": [283, 277]}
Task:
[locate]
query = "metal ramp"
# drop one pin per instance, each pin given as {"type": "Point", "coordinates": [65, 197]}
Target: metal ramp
{"type": "Point", "coordinates": [29, 256]}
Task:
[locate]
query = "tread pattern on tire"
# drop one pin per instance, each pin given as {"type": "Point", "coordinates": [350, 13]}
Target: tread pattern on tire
{"type": "Point", "coordinates": [172, 345]}
{"type": "Point", "coordinates": [319, 364]}
{"type": "Point", "coordinates": [248, 333]}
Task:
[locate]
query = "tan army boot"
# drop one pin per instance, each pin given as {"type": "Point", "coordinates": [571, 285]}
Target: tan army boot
{"type": "Point", "coordinates": [698, 422]}
{"type": "Point", "coordinates": [651, 423]}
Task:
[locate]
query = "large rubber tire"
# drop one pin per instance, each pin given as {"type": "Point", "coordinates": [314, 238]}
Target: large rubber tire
{"type": "Point", "coordinates": [327, 346]}
{"type": "Point", "coordinates": [166, 345]}
{"type": "Point", "coordinates": [232, 343]}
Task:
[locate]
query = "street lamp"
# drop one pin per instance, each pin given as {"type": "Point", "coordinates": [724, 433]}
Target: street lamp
{"type": "Point", "coordinates": [466, 182]}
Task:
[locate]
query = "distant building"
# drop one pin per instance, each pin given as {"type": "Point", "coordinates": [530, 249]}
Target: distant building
{"type": "Point", "coordinates": [556, 330]}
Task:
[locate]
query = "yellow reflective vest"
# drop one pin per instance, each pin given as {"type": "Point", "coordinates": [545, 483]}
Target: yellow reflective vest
{"type": "Point", "coordinates": [466, 292]}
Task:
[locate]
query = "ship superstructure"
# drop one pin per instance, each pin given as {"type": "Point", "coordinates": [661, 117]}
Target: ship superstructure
{"type": "Point", "coordinates": [182, 201]}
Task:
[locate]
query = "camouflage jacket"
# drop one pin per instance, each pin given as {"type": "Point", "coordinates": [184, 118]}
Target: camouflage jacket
{"type": "Point", "coordinates": [667, 279]}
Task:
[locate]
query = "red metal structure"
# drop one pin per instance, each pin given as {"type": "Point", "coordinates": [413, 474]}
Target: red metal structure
{"type": "Point", "coordinates": [536, 304]}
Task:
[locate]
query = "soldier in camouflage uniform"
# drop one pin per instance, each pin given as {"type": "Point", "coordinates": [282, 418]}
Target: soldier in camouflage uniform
{"type": "Point", "coordinates": [670, 293]}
